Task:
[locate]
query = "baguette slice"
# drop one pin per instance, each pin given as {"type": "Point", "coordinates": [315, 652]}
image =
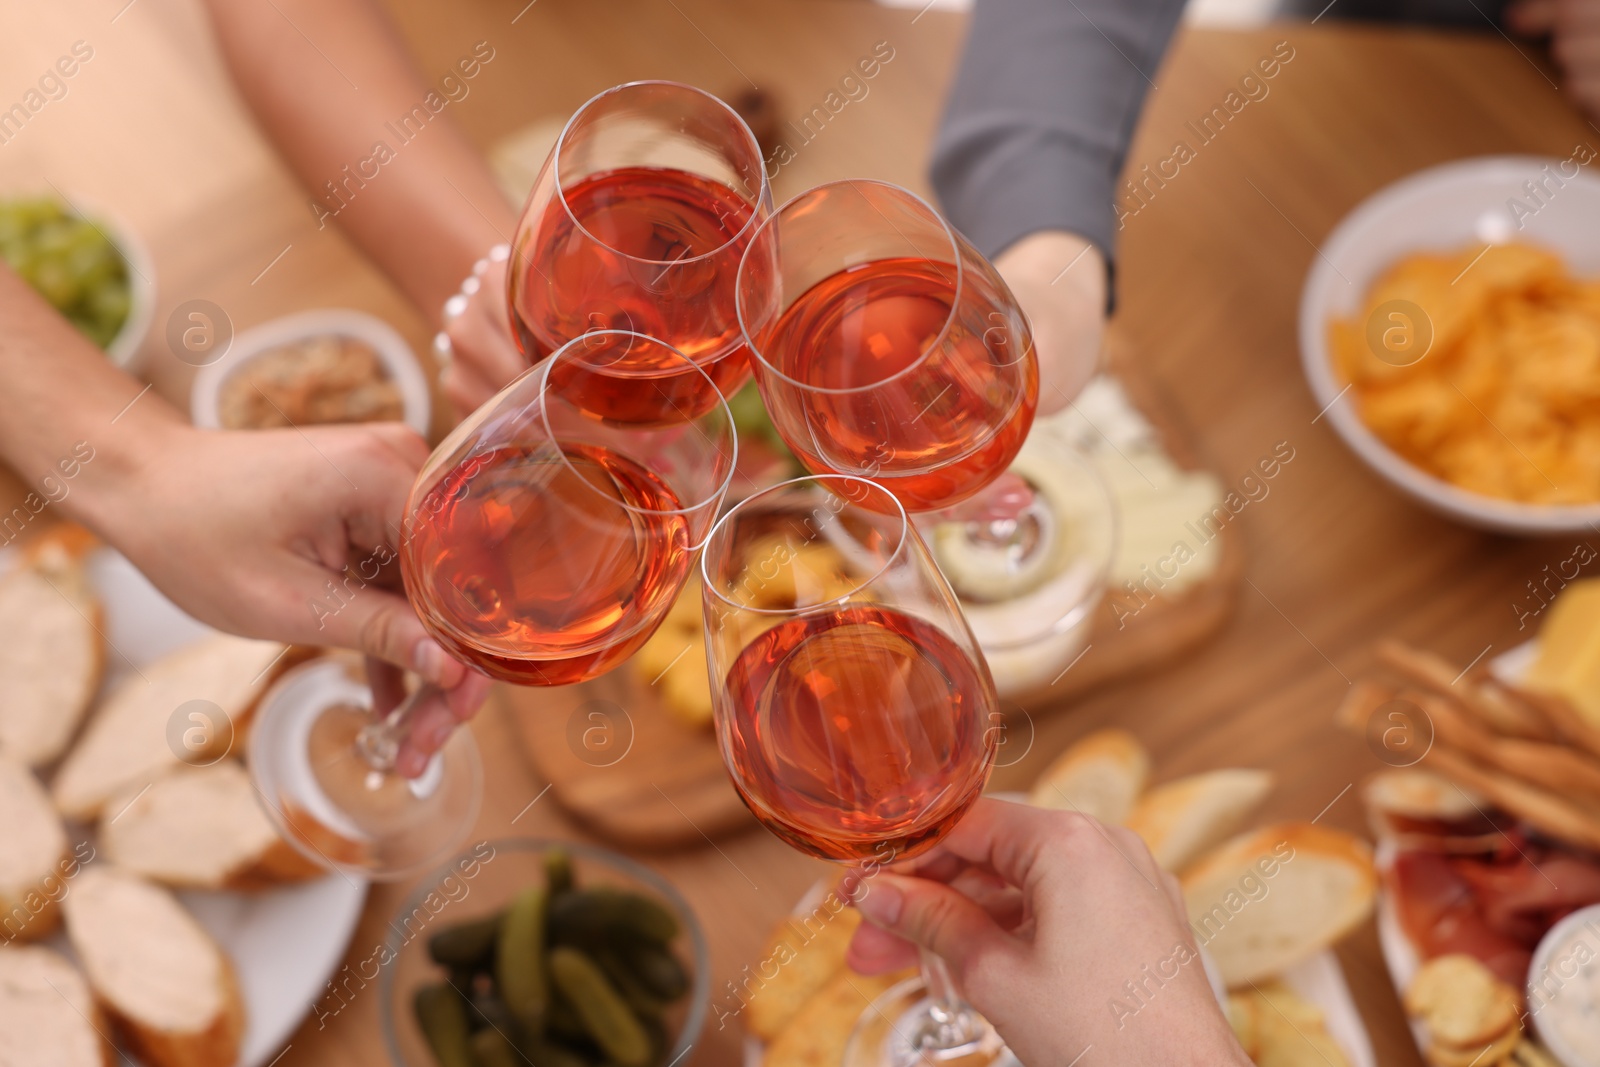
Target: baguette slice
{"type": "Point", "coordinates": [33, 846]}
{"type": "Point", "coordinates": [48, 1018]}
{"type": "Point", "coordinates": [160, 977]}
{"type": "Point", "coordinates": [1101, 775]}
{"type": "Point", "coordinates": [127, 743]}
{"type": "Point", "coordinates": [200, 828]}
{"type": "Point", "coordinates": [51, 654]}
{"type": "Point", "coordinates": [1416, 793]}
{"type": "Point", "coordinates": [1271, 897]}
{"type": "Point", "coordinates": [1183, 818]}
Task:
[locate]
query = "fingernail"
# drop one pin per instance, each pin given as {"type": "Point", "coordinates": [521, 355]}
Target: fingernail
{"type": "Point", "coordinates": [430, 661]}
{"type": "Point", "coordinates": [882, 905]}
{"type": "Point", "coordinates": [410, 764]}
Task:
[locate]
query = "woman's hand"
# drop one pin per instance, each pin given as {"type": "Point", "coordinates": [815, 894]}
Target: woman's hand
{"type": "Point", "coordinates": [289, 535]}
{"type": "Point", "coordinates": [1064, 933]}
{"type": "Point", "coordinates": [484, 358]}
{"type": "Point", "coordinates": [1060, 282]}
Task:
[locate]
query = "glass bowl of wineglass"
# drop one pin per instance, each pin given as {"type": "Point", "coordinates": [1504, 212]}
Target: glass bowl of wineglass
{"type": "Point", "coordinates": [442, 940]}
{"type": "Point", "coordinates": [854, 709]}
{"type": "Point", "coordinates": [885, 345]}
{"type": "Point", "coordinates": [637, 222]}
{"type": "Point", "coordinates": [542, 545]}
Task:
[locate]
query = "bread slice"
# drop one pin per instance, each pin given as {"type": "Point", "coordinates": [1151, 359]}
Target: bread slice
{"type": "Point", "coordinates": [51, 654]}
{"type": "Point", "coordinates": [1271, 897]}
{"type": "Point", "coordinates": [133, 739]}
{"type": "Point", "coordinates": [200, 828]}
{"type": "Point", "coordinates": [1101, 775]}
{"type": "Point", "coordinates": [1417, 793]}
{"type": "Point", "coordinates": [160, 977]}
{"type": "Point", "coordinates": [1183, 818]}
{"type": "Point", "coordinates": [33, 846]}
{"type": "Point", "coordinates": [48, 1018]}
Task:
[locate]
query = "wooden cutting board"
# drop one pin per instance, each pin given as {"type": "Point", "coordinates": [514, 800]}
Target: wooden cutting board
{"type": "Point", "coordinates": [632, 772]}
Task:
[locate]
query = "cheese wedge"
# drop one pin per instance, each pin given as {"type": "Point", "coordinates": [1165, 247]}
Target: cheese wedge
{"type": "Point", "coordinates": [1569, 650]}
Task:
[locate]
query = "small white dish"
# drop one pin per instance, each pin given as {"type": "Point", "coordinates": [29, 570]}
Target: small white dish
{"type": "Point", "coordinates": [396, 356]}
{"type": "Point", "coordinates": [1566, 955]}
{"type": "Point", "coordinates": [1443, 208]}
{"type": "Point", "coordinates": [124, 348]}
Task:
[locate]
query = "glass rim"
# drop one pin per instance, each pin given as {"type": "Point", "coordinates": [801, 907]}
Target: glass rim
{"type": "Point", "coordinates": [922, 357]}
{"type": "Point", "coordinates": [714, 498]}
{"type": "Point", "coordinates": [723, 521]}
{"type": "Point", "coordinates": [762, 193]}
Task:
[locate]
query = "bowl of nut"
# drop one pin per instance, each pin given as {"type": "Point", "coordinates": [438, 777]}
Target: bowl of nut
{"type": "Point", "coordinates": [331, 365]}
{"type": "Point", "coordinates": [554, 953]}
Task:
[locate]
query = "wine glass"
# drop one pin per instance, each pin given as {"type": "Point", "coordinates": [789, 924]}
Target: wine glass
{"type": "Point", "coordinates": [541, 545]}
{"type": "Point", "coordinates": [637, 222]}
{"type": "Point", "coordinates": [855, 713]}
{"type": "Point", "coordinates": [884, 345]}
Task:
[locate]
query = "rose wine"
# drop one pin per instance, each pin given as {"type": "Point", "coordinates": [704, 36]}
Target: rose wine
{"type": "Point", "coordinates": [856, 729]}
{"type": "Point", "coordinates": [651, 250]}
{"type": "Point", "coordinates": [932, 432]}
{"type": "Point", "coordinates": [541, 571]}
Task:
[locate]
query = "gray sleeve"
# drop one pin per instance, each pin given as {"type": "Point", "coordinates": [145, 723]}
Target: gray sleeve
{"type": "Point", "coordinates": [1041, 114]}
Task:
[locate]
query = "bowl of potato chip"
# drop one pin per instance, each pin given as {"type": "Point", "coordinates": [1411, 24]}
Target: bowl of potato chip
{"type": "Point", "coordinates": [1450, 333]}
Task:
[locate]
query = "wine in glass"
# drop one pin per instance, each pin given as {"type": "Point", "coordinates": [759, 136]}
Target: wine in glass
{"type": "Point", "coordinates": [542, 545]}
{"type": "Point", "coordinates": [885, 345]}
{"type": "Point", "coordinates": [637, 222]}
{"type": "Point", "coordinates": [855, 713]}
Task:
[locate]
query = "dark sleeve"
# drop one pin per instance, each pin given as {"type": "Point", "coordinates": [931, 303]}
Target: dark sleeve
{"type": "Point", "coordinates": [1041, 114]}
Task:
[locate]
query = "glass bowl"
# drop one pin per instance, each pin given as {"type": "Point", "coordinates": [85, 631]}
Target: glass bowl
{"type": "Point", "coordinates": [481, 881]}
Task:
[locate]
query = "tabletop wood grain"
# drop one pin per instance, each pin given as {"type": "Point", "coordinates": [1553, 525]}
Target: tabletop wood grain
{"type": "Point", "coordinates": [1209, 274]}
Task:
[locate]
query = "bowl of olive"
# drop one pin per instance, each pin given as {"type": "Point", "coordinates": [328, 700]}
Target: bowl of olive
{"type": "Point", "coordinates": [89, 267]}
{"type": "Point", "coordinates": [553, 953]}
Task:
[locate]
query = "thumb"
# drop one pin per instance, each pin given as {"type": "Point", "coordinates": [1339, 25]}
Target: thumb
{"type": "Point", "coordinates": [382, 624]}
{"type": "Point", "coordinates": [935, 917]}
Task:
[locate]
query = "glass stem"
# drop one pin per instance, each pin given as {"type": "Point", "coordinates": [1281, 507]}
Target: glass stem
{"type": "Point", "coordinates": [379, 741]}
{"type": "Point", "coordinates": [951, 1022]}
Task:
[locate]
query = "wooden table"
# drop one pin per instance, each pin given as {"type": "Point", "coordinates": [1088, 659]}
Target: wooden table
{"type": "Point", "coordinates": [1210, 272]}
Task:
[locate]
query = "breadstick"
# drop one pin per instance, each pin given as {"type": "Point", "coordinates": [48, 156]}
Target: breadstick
{"type": "Point", "coordinates": [1544, 811]}
{"type": "Point", "coordinates": [1360, 701]}
{"type": "Point", "coordinates": [1537, 763]}
{"type": "Point", "coordinates": [1562, 717]}
{"type": "Point", "coordinates": [1434, 673]}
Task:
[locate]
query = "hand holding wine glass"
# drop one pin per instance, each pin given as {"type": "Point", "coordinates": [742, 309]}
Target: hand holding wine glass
{"type": "Point", "coordinates": [1042, 917]}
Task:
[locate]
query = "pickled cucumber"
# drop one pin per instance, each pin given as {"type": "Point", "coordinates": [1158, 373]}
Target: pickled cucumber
{"type": "Point", "coordinates": [466, 946]}
{"type": "Point", "coordinates": [658, 969]}
{"type": "Point", "coordinates": [493, 1050]}
{"type": "Point", "coordinates": [558, 874]}
{"type": "Point", "coordinates": [70, 262]}
{"type": "Point", "coordinates": [608, 915]}
{"type": "Point", "coordinates": [625, 978]}
{"type": "Point", "coordinates": [519, 963]}
{"type": "Point", "coordinates": [606, 1016]}
{"type": "Point", "coordinates": [442, 1018]}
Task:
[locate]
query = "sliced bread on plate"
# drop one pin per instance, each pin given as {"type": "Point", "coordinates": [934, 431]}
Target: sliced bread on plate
{"type": "Point", "coordinates": [1271, 897]}
{"type": "Point", "coordinates": [1181, 819]}
{"type": "Point", "coordinates": [33, 845]}
{"type": "Point", "coordinates": [1101, 775]}
{"type": "Point", "coordinates": [200, 828]}
{"type": "Point", "coordinates": [48, 1018]}
{"type": "Point", "coordinates": [51, 654]}
{"type": "Point", "coordinates": [134, 737]}
{"type": "Point", "coordinates": [155, 971]}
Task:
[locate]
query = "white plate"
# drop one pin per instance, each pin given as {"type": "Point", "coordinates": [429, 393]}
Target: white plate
{"type": "Point", "coordinates": [1439, 209]}
{"type": "Point", "coordinates": [284, 943]}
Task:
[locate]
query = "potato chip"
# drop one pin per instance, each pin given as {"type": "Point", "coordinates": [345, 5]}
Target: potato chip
{"type": "Point", "coordinates": [1505, 402]}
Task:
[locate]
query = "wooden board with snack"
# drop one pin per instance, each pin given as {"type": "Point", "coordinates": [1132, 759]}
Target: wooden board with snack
{"type": "Point", "coordinates": [1488, 822]}
{"type": "Point", "coordinates": [138, 864]}
{"type": "Point", "coordinates": [1181, 563]}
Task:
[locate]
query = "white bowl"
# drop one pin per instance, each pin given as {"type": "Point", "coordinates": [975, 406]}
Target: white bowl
{"type": "Point", "coordinates": [141, 287]}
{"type": "Point", "coordinates": [392, 350]}
{"type": "Point", "coordinates": [1441, 209]}
{"type": "Point", "coordinates": [1586, 920]}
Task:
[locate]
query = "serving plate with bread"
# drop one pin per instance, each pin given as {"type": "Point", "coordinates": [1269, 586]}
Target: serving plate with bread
{"type": "Point", "coordinates": [1488, 823]}
{"type": "Point", "coordinates": [148, 910]}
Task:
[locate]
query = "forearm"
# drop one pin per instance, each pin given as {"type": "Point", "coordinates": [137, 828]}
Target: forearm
{"type": "Point", "coordinates": [1042, 111]}
{"type": "Point", "coordinates": [77, 430]}
{"type": "Point", "coordinates": [429, 209]}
